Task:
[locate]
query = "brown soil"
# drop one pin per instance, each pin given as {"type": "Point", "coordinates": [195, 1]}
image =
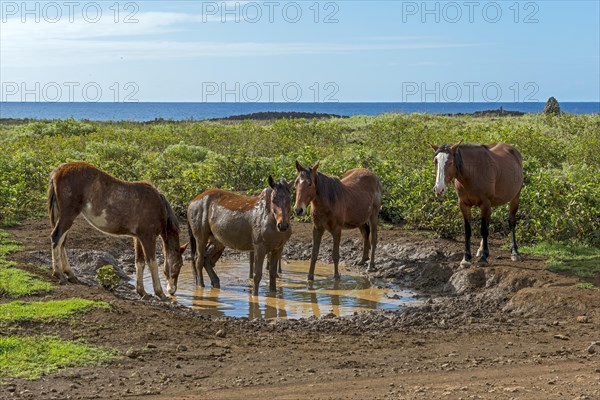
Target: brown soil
{"type": "Point", "coordinates": [506, 331]}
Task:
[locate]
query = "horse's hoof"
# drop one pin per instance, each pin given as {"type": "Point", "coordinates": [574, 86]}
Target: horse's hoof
{"type": "Point", "coordinates": [482, 263]}
{"type": "Point", "coordinates": [216, 286]}
{"type": "Point", "coordinates": [310, 279]}
{"type": "Point", "coordinates": [465, 264]}
{"type": "Point", "coordinates": [515, 257]}
{"type": "Point", "coordinates": [73, 279]}
{"type": "Point", "coordinates": [162, 297]}
{"type": "Point", "coordinates": [145, 296]}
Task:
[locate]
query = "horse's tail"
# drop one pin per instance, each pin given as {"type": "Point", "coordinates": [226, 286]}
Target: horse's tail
{"type": "Point", "coordinates": [53, 210]}
{"type": "Point", "coordinates": [193, 246]}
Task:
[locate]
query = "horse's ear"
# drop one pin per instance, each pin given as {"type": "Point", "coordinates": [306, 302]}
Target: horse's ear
{"type": "Point", "coordinates": [182, 248]}
{"type": "Point", "coordinates": [454, 146]}
{"type": "Point", "coordinates": [315, 167]}
{"type": "Point", "coordinates": [299, 167]}
{"type": "Point", "coordinates": [271, 182]}
{"type": "Point", "coordinates": [434, 147]}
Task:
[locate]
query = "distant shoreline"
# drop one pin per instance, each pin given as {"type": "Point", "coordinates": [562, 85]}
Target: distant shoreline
{"type": "Point", "coordinates": [188, 112]}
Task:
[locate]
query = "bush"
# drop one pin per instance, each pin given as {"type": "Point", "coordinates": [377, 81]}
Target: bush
{"type": "Point", "coordinates": [107, 277]}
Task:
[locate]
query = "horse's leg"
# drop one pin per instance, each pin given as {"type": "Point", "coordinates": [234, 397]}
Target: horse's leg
{"type": "Point", "coordinates": [140, 263]}
{"type": "Point", "coordinates": [337, 236]}
{"type": "Point", "coordinates": [201, 242]}
{"type": "Point", "coordinates": [251, 273]}
{"type": "Point", "coordinates": [466, 213]}
{"type": "Point", "coordinates": [279, 271]}
{"type": "Point", "coordinates": [149, 248]}
{"type": "Point", "coordinates": [317, 236]}
{"type": "Point", "coordinates": [259, 253]}
{"type": "Point", "coordinates": [65, 263]}
{"type": "Point", "coordinates": [480, 249]}
{"type": "Point", "coordinates": [58, 237]}
{"type": "Point", "coordinates": [365, 232]}
{"type": "Point", "coordinates": [373, 226]}
{"type": "Point", "coordinates": [214, 279]}
{"type": "Point", "coordinates": [486, 211]}
{"type": "Point", "coordinates": [273, 257]}
{"type": "Point", "coordinates": [512, 223]}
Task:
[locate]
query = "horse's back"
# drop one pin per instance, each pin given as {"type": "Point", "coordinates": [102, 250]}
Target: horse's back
{"type": "Point", "coordinates": [509, 179]}
{"type": "Point", "coordinates": [224, 215]}
{"type": "Point", "coordinates": [363, 196]}
{"type": "Point", "coordinates": [107, 202]}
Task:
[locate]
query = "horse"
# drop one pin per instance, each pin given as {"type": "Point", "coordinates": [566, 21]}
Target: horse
{"type": "Point", "coordinates": [259, 224]}
{"type": "Point", "coordinates": [485, 176]}
{"type": "Point", "coordinates": [115, 207]}
{"type": "Point", "coordinates": [351, 202]}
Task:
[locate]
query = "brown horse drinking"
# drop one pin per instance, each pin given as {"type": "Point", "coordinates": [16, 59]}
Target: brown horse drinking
{"type": "Point", "coordinates": [350, 202]}
{"type": "Point", "coordinates": [259, 224]}
{"type": "Point", "coordinates": [116, 207]}
{"type": "Point", "coordinates": [485, 177]}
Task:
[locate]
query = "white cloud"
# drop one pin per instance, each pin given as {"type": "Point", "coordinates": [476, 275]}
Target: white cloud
{"type": "Point", "coordinates": [80, 42]}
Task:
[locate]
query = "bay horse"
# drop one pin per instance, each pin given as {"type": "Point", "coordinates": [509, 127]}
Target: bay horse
{"type": "Point", "coordinates": [485, 176]}
{"type": "Point", "coordinates": [351, 202]}
{"type": "Point", "coordinates": [115, 207]}
{"type": "Point", "coordinates": [259, 224]}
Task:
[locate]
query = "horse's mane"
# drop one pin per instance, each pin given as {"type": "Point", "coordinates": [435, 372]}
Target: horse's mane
{"type": "Point", "coordinates": [458, 157]}
{"type": "Point", "coordinates": [172, 221]}
{"type": "Point", "coordinates": [329, 187]}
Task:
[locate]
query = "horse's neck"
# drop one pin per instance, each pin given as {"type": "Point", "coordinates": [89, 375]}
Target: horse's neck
{"type": "Point", "coordinates": [322, 200]}
{"type": "Point", "coordinates": [264, 205]}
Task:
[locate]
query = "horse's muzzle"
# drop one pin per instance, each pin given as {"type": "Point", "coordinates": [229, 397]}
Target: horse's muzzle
{"type": "Point", "coordinates": [300, 211]}
{"type": "Point", "coordinates": [439, 192]}
{"type": "Point", "coordinates": [283, 226]}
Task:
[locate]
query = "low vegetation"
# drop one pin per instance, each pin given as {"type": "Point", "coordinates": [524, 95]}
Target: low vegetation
{"type": "Point", "coordinates": [41, 311]}
{"type": "Point", "coordinates": [583, 261]}
{"type": "Point", "coordinates": [31, 357]}
{"type": "Point", "coordinates": [15, 282]}
{"type": "Point", "coordinates": [560, 201]}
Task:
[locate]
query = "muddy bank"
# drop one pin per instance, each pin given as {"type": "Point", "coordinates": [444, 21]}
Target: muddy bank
{"type": "Point", "coordinates": [452, 296]}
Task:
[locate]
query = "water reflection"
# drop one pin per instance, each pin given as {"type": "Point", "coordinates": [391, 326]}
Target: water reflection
{"type": "Point", "coordinates": [294, 298]}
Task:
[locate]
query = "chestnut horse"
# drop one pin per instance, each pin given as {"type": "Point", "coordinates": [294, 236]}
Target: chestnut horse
{"type": "Point", "coordinates": [259, 224]}
{"type": "Point", "coordinates": [351, 202]}
{"type": "Point", "coordinates": [484, 176]}
{"type": "Point", "coordinates": [115, 207]}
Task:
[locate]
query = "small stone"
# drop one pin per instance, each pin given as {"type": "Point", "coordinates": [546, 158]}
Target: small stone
{"type": "Point", "coordinates": [151, 346]}
{"type": "Point", "coordinates": [182, 347]}
{"type": "Point", "coordinates": [11, 388]}
{"type": "Point", "coordinates": [177, 365]}
{"type": "Point", "coordinates": [592, 347]}
{"type": "Point", "coordinates": [221, 333]}
{"type": "Point", "coordinates": [131, 353]}
{"type": "Point", "coordinates": [310, 370]}
{"type": "Point", "coordinates": [582, 319]}
{"type": "Point", "coordinates": [561, 337]}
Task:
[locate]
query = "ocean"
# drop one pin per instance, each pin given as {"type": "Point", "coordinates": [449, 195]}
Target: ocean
{"type": "Point", "coordinates": [201, 111]}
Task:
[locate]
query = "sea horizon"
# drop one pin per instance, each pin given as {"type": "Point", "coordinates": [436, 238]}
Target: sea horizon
{"type": "Point", "coordinates": [198, 111]}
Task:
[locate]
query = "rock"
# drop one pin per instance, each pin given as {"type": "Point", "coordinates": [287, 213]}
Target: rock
{"type": "Point", "coordinates": [151, 346]}
{"type": "Point", "coordinates": [132, 353]}
{"type": "Point", "coordinates": [310, 370]}
{"type": "Point", "coordinates": [552, 107]}
{"type": "Point", "coordinates": [182, 347]}
{"type": "Point", "coordinates": [582, 319]}
{"type": "Point", "coordinates": [221, 333]}
{"type": "Point", "coordinates": [561, 337]}
{"type": "Point", "coordinates": [592, 347]}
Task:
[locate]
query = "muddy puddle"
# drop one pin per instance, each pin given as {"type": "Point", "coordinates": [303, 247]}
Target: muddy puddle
{"type": "Point", "coordinates": [294, 297]}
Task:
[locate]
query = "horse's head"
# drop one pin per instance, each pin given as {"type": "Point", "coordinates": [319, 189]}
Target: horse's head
{"type": "Point", "coordinates": [281, 199]}
{"type": "Point", "coordinates": [306, 187]}
{"type": "Point", "coordinates": [172, 251]}
{"type": "Point", "coordinates": [445, 166]}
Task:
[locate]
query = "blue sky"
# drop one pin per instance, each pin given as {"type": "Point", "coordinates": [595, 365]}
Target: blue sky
{"type": "Point", "coordinates": [366, 51]}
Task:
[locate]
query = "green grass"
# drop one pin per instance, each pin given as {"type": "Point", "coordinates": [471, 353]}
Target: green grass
{"type": "Point", "coordinates": [587, 285]}
{"type": "Point", "coordinates": [31, 357]}
{"type": "Point", "coordinates": [582, 261]}
{"type": "Point", "coordinates": [19, 311]}
{"type": "Point", "coordinates": [15, 282]}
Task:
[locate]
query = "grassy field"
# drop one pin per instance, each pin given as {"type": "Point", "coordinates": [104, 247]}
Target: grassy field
{"type": "Point", "coordinates": [560, 199]}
